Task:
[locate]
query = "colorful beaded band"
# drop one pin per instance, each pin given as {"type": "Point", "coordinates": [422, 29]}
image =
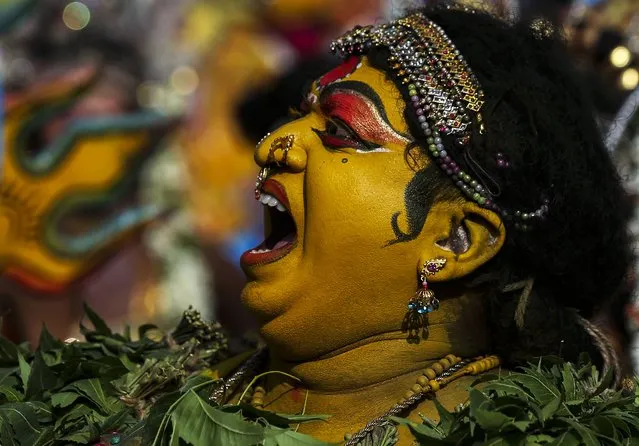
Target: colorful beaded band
{"type": "Point", "coordinates": [444, 93]}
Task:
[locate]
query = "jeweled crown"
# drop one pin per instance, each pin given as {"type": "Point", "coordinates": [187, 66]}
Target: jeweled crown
{"type": "Point", "coordinates": [444, 93]}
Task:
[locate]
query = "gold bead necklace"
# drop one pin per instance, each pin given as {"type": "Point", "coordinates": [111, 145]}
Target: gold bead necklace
{"type": "Point", "coordinates": [432, 379]}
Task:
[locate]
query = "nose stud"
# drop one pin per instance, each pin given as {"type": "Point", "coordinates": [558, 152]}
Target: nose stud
{"type": "Point", "coordinates": [283, 144]}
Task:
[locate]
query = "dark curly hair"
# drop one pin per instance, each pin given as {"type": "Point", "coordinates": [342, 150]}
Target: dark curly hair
{"type": "Point", "coordinates": [539, 118]}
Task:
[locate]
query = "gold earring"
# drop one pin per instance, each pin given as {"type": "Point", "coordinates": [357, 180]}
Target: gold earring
{"type": "Point", "coordinates": [424, 301]}
{"type": "Point", "coordinates": [283, 143]}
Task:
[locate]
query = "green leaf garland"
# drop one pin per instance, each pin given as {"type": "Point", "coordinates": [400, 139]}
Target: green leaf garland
{"type": "Point", "coordinates": [154, 392]}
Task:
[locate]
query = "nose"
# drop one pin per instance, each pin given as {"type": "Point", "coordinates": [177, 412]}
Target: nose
{"type": "Point", "coordinates": [281, 149]}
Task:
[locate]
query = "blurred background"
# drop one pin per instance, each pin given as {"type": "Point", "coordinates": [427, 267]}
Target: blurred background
{"type": "Point", "coordinates": [127, 166]}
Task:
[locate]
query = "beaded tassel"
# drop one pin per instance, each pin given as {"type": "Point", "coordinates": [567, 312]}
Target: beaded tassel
{"type": "Point", "coordinates": [424, 301]}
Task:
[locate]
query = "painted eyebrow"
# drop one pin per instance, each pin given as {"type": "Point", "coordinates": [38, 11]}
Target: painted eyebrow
{"type": "Point", "coordinates": [362, 89]}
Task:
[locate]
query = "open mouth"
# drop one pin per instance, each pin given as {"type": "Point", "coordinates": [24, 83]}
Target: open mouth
{"type": "Point", "coordinates": [280, 228]}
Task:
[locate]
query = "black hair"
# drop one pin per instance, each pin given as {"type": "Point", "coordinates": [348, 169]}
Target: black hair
{"type": "Point", "coordinates": [539, 118]}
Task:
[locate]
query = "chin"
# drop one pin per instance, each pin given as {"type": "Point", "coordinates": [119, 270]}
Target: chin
{"type": "Point", "coordinates": [263, 301]}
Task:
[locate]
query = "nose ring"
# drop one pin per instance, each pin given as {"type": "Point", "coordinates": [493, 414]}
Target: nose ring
{"type": "Point", "coordinates": [283, 143]}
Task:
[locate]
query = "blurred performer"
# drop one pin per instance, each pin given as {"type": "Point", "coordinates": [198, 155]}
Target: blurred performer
{"type": "Point", "coordinates": [75, 141]}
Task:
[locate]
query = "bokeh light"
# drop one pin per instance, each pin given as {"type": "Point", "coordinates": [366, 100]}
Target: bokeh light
{"type": "Point", "coordinates": [21, 69]}
{"type": "Point", "coordinates": [76, 16]}
{"type": "Point", "coordinates": [184, 80]}
{"type": "Point", "coordinates": [630, 79]}
{"type": "Point", "coordinates": [150, 95]}
{"type": "Point", "coordinates": [620, 56]}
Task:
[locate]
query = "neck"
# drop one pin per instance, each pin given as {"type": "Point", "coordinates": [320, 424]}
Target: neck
{"type": "Point", "coordinates": [458, 327]}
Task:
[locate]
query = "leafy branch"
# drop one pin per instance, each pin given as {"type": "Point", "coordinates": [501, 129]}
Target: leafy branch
{"type": "Point", "coordinates": [551, 403]}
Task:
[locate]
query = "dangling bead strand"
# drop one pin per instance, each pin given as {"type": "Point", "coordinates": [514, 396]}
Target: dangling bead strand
{"type": "Point", "coordinates": [257, 400]}
{"type": "Point", "coordinates": [432, 379]}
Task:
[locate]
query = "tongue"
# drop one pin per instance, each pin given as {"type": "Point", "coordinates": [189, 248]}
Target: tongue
{"type": "Point", "coordinates": [280, 244]}
{"type": "Point", "coordinates": [288, 239]}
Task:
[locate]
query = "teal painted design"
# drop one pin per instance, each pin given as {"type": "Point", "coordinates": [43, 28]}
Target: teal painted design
{"type": "Point", "coordinates": [47, 160]}
{"type": "Point", "coordinates": [12, 15]}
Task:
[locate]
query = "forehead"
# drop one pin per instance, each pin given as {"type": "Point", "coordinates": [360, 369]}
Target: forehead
{"type": "Point", "coordinates": [361, 70]}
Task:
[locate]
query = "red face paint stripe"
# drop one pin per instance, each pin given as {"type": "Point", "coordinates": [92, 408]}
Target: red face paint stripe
{"type": "Point", "coordinates": [340, 72]}
{"type": "Point", "coordinates": [361, 116]}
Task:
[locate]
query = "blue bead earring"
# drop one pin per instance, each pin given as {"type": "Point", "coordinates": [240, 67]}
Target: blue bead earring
{"type": "Point", "coordinates": [424, 301]}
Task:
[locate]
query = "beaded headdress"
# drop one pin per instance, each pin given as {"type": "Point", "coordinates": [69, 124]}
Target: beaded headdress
{"type": "Point", "coordinates": [444, 93]}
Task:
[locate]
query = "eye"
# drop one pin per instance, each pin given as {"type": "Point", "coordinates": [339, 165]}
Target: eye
{"type": "Point", "coordinates": [338, 135]}
{"type": "Point", "coordinates": [339, 130]}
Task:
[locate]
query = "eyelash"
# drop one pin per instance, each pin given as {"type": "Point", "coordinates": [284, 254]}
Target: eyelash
{"type": "Point", "coordinates": [348, 139]}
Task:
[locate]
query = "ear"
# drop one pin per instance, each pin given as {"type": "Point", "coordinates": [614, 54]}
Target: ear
{"type": "Point", "coordinates": [466, 235]}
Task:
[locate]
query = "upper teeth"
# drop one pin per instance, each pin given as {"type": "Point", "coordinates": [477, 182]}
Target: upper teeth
{"type": "Point", "coordinates": [271, 201]}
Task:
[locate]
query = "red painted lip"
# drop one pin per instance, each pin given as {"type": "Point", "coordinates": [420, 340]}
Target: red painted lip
{"type": "Point", "coordinates": [250, 258]}
{"type": "Point", "coordinates": [253, 258]}
{"type": "Point", "coordinates": [275, 189]}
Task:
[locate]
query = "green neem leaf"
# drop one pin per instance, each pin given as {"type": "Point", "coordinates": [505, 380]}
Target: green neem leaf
{"type": "Point", "coordinates": [285, 437]}
{"type": "Point", "coordinates": [41, 378]}
{"type": "Point", "coordinates": [198, 381]}
{"type": "Point", "coordinates": [422, 432]}
{"type": "Point", "coordinates": [99, 393]}
{"type": "Point", "coordinates": [489, 420]}
{"type": "Point", "coordinates": [477, 398]}
{"type": "Point", "coordinates": [77, 413]}
{"type": "Point", "coordinates": [158, 418]}
{"type": "Point", "coordinates": [83, 437]}
{"type": "Point", "coordinates": [119, 421]}
{"type": "Point", "coordinates": [23, 421]}
{"type": "Point", "coordinates": [521, 426]}
{"type": "Point", "coordinates": [101, 328]}
{"type": "Point", "coordinates": [11, 393]}
{"type": "Point", "coordinates": [588, 437]}
{"type": "Point", "coordinates": [550, 409]}
{"type": "Point", "coordinates": [8, 352]}
{"type": "Point", "coordinates": [568, 384]}
{"type": "Point", "coordinates": [604, 426]}
{"type": "Point", "coordinates": [533, 440]}
{"type": "Point", "coordinates": [135, 432]}
{"type": "Point", "coordinates": [64, 399]}
{"type": "Point", "coordinates": [7, 437]}
{"type": "Point", "coordinates": [43, 410]}
{"type": "Point", "coordinates": [539, 385]}
{"type": "Point", "coordinates": [48, 342]}
{"type": "Point", "coordinates": [497, 442]}
{"type": "Point", "coordinates": [46, 437]}
{"type": "Point", "coordinates": [25, 370]}
{"type": "Point", "coordinates": [621, 426]}
{"type": "Point", "coordinates": [7, 373]}
{"type": "Point", "coordinates": [275, 419]}
{"type": "Point", "coordinates": [446, 418]}
{"type": "Point", "coordinates": [606, 382]}
{"type": "Point", "coordinates": [52, 357]}
{"type": "Point", "coordinates": [197, 422]}
{"type": "Point", "coordinates": [506, 387]}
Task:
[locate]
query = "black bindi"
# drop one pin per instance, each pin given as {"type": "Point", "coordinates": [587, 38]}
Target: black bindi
{"type": "Point", "coordinates": [344, 160]}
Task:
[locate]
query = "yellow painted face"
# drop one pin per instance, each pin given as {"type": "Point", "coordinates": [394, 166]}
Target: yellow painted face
{"type": "Point", "coordinates": [344, 265]}
{"type": "Point", "coordinates": [67, 182]}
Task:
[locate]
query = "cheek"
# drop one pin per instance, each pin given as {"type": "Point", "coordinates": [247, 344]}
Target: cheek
{"type": "Point", "coordinates": [350, 205]}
